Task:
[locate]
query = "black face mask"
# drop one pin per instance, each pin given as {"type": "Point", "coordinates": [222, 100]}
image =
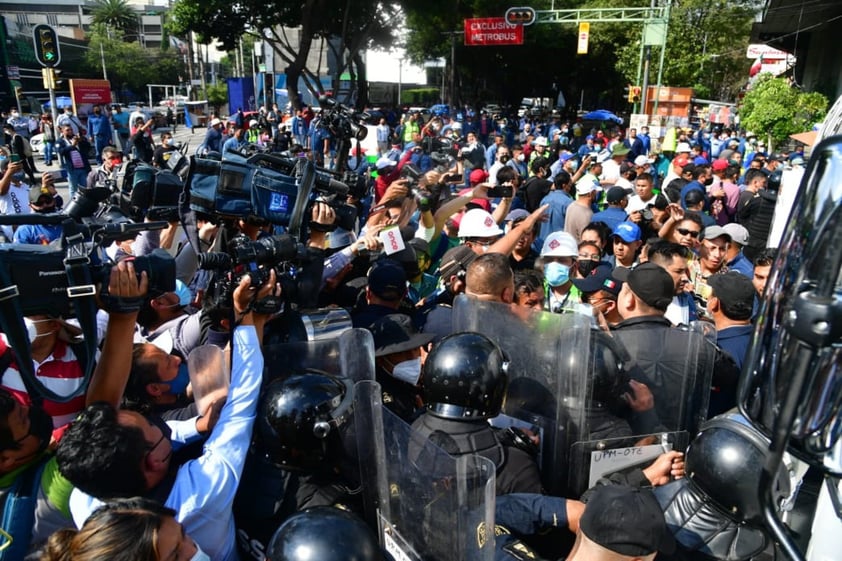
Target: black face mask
{"type": "Point", "coordinates": [504, 159]}
{"type": "Point", "coordinates": [41, 426]}
{"type": "Point", "coordinates": [586, 267]}
{"type": "Point", "coordinates": [708, 181]}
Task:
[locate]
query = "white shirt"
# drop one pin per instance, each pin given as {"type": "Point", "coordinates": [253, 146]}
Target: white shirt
{"type": "Point", "coordinates": [15, 201]}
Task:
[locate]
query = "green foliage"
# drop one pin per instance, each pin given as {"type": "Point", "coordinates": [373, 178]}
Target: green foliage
{"type": "Point", "coordinates": [420, 96]}
{"type": "Point", "coordinates": [128, 64]}
{"type": "Point", "coordinates": [217, 95]}
{"type": "Point", "coordinates": [117, 14]}
{"type": "Point", "coordinates": [773, 107]}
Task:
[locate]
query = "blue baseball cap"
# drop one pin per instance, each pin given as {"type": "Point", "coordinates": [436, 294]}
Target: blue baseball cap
{"type": "Point", "coordinates": [627, 231]}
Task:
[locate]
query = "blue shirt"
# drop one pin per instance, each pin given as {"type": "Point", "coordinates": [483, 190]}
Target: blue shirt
{"type": "Point", "coordinates": [741, 264]}
{"type": "Point", "coordinates": [735, 340]}
{"type": "Point", "coordinates": [613, 216]}
{"type": "Point", "coordinates": [556, 213]}
{"type": "Point", "coordinates": [40, 234]}
{"type": "Point", "coordinates": [204, 489]}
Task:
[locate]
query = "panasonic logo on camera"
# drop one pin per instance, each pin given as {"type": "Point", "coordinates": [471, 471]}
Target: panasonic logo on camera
{"type": "Point", "coordinates": [50, 273]}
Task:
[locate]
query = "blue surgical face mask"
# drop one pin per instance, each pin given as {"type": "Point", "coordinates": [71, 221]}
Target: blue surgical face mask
{"type": "Point", "coordinates": [179, 383]}
{"type": "Point", "coordinates": [556, 273]}
{"type": "Point", "coordinates": [408, 371]}
{"type": "Point", "coordinates": [185, 297]}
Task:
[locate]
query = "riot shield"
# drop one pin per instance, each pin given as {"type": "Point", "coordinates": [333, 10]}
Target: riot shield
{"type": "Point", "coordinates": [350, 355]}
{"type": "Point", "coordinates": [431, 506]}
{"type": "Point", "coordinates": [549, 376]}
{"type": "Point", "coordinates": [676, 364]}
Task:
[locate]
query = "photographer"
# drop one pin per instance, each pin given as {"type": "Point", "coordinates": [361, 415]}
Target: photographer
{"type": "Point", "coordinates": [388, 171]}
{"type": "Point", "coordinates": [141, 140]}
{"type": "Point", "coordinates": [73, 159]}
{"type": "Point", "coordinates": [110, 453]}
{"type": "Point", "coordinates": [14, 194]}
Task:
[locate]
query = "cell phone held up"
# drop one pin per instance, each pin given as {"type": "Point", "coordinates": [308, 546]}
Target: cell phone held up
{"type": "Point", "coordinates": [503, 191]}
{"type": "Point", "coordinates": [14, 158]}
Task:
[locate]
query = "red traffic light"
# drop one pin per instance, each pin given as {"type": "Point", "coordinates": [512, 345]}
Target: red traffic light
{"type": "Point", "coordinates": [520, 16]}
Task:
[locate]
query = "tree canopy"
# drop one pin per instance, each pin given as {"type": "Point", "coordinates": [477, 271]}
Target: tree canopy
{"type": "Point", "coordinates": [128, 64]}
{"type": "Point", "coordinates": [117, 14]}
{"type": "Point", "coordinates": [358, 25]}
{"type": "Point", "coordinates": [776, 109]}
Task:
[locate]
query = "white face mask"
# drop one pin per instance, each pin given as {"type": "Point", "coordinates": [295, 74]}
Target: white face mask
{"type": "Point", "coordinates": [408, 371]}
{"type": "Point", "coordinates": [32, 329]}
{"type": "Point", "coordinates": [200, 555]}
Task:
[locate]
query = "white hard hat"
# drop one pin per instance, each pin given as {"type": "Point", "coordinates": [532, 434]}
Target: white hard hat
{"type": "Point", "coordinates": [478, 223]}
{"type": "Point", "coordinates": [560, 244]}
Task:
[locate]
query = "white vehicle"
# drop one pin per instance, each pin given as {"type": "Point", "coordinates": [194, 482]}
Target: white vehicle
{"type": "Point", "coordinates": [37, 144]}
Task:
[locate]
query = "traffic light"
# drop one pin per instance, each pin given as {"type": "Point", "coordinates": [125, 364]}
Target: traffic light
{"type": "Point", "coordinates": [50, 78]}
{"type": "Point", "coordinates": [46, 45]}
{"type": "Point", "coordinates": [633, 93]}
{"type": "Point", "coordinates": [520, 16]}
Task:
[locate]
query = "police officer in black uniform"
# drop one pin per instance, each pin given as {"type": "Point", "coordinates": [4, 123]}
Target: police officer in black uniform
{"type": "Point", "coordinates": [302, 456]}
{"type": "Point", "coordinates": [464, 381]}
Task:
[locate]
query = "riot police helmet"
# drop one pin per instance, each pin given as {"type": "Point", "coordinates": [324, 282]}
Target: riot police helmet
{"type": "Point", "coordinates": [301, 418]}
{"type": "Point", "coordinates": [465, 377]}
{"type": "Point", "coordinates": [725, 462]}
{"type": "Point", "coordinates": [324, 533]}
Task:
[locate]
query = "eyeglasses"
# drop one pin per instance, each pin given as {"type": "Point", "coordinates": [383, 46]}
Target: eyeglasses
{"type": "Point", "coordinates": [150, 449]}
{"type": "Point", "coordinates": [589, 256]}
{"type": "Point", "coordinates": [686, 232]}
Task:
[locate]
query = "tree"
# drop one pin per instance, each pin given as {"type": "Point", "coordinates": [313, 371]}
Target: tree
{"type": "Point", "coordinates": [217, 95]}
{"type": "Point", "coordinates": [776, 109]}
{"type": "Point", "coordinates": [130, 66]}
{"type": "Point", "coordinates": [116, 14]}
{"type": "Point", "coordinates": [358, 25]}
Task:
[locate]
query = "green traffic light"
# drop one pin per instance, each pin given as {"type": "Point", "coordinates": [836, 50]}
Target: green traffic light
{"type": "Point", "coordinates": [49, 56]}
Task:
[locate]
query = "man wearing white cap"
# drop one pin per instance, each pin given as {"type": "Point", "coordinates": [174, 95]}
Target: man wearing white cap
{"type": "Point", "coordinates": [580, 212]}
{"type": "Point", "coordinates": [540, 150]}
{"type": "Point", "coordinates": [213, 137]}
{"type": "Point", "coordinates": [559, 255]}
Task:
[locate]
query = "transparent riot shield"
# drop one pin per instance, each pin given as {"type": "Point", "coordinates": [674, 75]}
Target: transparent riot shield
{"type": "Point", "coordinates": [595, 459]}
{"type": "Point", "coordinates": [431, 506]}
{"type": "Point", "coordinates": [549, 377]}
{"type": "Point", "coordinates": [676, 365]}
{"type": "Point", "coordinates": [350, 355]}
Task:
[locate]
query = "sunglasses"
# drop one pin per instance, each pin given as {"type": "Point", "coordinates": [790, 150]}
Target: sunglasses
{"type": "Point", "coordinates": [686, 232]}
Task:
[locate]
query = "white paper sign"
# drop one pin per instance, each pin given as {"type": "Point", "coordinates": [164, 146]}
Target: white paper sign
{"type": "Point", "coordinates": [605, 462]}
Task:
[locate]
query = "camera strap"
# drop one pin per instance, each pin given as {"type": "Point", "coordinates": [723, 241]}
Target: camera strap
{"type": "Point", "coordinates": [82, 293]}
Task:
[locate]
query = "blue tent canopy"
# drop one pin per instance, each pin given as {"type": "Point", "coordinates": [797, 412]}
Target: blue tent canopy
{"type": "Point", "coordinates": [602, 115]}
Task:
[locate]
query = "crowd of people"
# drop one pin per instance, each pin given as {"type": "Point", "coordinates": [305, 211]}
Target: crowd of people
{"type": "Point", "coordinates": [642, 237]}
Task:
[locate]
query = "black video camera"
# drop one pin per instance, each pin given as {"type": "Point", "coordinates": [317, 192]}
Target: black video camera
{"type": "Point", "coordinates": [255, 259]}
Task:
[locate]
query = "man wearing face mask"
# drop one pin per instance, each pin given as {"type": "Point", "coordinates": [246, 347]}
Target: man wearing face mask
{"type": "Point", "coordinates": [42, 202]}
{"type": "Point", "coordinates": [397, 359]}
{"type": "Point", "coordinates": [559, 255]}
{"type": "Point", "coordinates": [163, 151]}
{"type": "Point", "coordinates": [58, 363]}
{"type": "Point", "coordinates": [14, 194]}
{"type": "Point", "coordinates": [107, 170]}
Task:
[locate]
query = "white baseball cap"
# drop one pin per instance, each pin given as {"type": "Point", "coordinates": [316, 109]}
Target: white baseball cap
{"type": "Point", "coordinates": [215, 122]}
{"type": "Point", "coordinates": [478, 223]}
{"type": "Point", "coordinates": [385, 162]}
{"type": "Point", "coordinates": [560, 244]}
{"type": "Point", "coordinates": [586, 185]}
{"type": "Point", "coordinates": [683, 147]}
{"type": "Point", "coordinates": [642, 160]}
{"type": "Point", "coordinates": [541, 141]}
